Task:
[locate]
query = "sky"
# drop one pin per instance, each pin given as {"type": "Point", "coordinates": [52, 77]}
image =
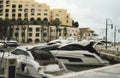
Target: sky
{"type": "Point", "coordinates": [90, 13]}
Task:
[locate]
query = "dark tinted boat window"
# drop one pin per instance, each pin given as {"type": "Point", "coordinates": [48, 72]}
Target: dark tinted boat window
{"type": "Point", "coordinates": [20, 52]}
{"type": "Point", "coordinates": [70, 59]}
{"type": "Point", "coordinates": [72, 47]}
{"type": "Point", "coordinates": [41, 55]}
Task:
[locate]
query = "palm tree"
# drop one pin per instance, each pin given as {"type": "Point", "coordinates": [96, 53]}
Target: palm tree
{"type": "Point", "coordinates": [45, 23]}
{"type": "Point", "coordinates": [6, 25]}
{"type": "Point", "coordinates": [40, 22]}
{"type": "Point", "coordinates": [1, 27]}
{"type": "Point", "coordinates": [57, 23]}
{"type": "Point", "coordinates": [48, 30]}
{"type": "Point", "coordinates": [18, 23]}
{"type": "Point", "coordinates": [65, 32]}
{"type": "Point", "coordinates": [25, 22]}
{"type": "Point", "coordinates": [11, 28]}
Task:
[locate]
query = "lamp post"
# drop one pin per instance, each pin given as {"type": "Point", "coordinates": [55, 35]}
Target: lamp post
{"type": "Point", "coordinates": [107, 29]}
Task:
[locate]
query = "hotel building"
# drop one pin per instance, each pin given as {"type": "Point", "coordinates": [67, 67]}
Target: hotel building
{"type": "Point", "coordinates": [33, 11]}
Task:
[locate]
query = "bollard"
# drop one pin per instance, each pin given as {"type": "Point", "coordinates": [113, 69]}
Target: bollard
{"type": "Point", "coordinates": [10, 67]}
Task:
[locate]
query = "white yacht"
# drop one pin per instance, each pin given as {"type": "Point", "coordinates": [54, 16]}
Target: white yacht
{"type": "Point", "coordinates": [35, 62]}
{"type": "Point", "coordinates": [62, 40]}
{"type": "Point", "coordinates": [76, 54]}
{"type": "Point", "coordinates": [10, 43]}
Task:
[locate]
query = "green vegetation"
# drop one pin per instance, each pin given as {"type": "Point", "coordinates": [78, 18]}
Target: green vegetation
{"type": "Point", "coordinates": [1, 71]}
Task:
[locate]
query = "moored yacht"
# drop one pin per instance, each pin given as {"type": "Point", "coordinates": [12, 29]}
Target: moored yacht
{"type": "Point", "coordinates": [35, 63]}
{"type": "Point", "coordinates": [77, 54]}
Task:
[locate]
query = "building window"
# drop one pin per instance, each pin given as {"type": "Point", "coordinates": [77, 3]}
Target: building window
{"type": "Point", "coordinates": [13, 15]}
{"type": "Point", "coordinates": [32, 10]}
{"type": "Point", "coordinates": [13, 6]}
{"type": "Point", "coordinates": [32, 13]}
{"type": "Point", "coordinates": [1, 6]}
{"type": "Point", "coordinates": [39, 14]}
{"type": "Point", "coordinates": [30, 34]}
{"type": "Point", "coordinates": [30, 40]}
{"type": "Point", "coordinates": [25, 10]}
{"type": "Point", "coordinates": [37, 34]}
{"type": "Point", "coordinates": [20, 6]}
{"type": "Point", "coordinates": [20, 9]}
{"type": "Point", "coordinates": [1, 2]}
{"type": "Point", "coordinates": [6, 15]}
{"type": "Point", "coordinates": [19, 14]}
{"type": "Point", "coordinates": [1, 11]}
{"type": "Point", "coordinates": [7, 5]}
{"type": "Point", "coordinates": [44, 34]}
{"type": "Point", "coordinates": [45, 14]}
{"type": "Point", "coordinates": [30, 29]}
{"type": "Point", "coordinates": [67, 16]}
{"type": "Point", "coordinates": [66, 21]}
{"type": "Point", "coordinates": [13, 10]}
{"type": "Point", "coordinates": [59, 34]}
{"type": "Point", "coordinates": [7, 2]}
{"type": "Point", "coordinates": [26, 14]}
{"type": "Point", "coordinates": [37, 40]}
{"type": "Point", "coordinates": [7, 10]}
{"type": "Point", "coordinates": [37, 29]}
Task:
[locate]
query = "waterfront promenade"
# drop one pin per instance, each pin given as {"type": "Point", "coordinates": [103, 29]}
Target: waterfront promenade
{"type": "Point", "coordinates": [112, 71]}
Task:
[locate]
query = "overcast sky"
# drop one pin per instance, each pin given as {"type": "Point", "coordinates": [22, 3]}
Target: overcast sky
{"type": "Point", "coordinates": [89, 13]}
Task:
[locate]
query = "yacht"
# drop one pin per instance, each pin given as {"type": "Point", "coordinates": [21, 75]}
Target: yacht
{"type": "Point", "coordinates": [62, 40]}
{"type": "Point", "coordinates": [9, 43]}
{"type": "Point", "coordinates": [76, 54]}
{"type": "Point", "coordinates": [36, 63]}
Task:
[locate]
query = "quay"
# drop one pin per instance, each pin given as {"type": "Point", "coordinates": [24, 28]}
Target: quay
{"type": "Point", "coordinates": [111, 55]}
{"type": "Point", "coordinates": [112, 71]}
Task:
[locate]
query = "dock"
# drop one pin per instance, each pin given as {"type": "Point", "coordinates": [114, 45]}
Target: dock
{"type": "Point", "coordinates": [112, 71]}
{"type": "Point", "coordinates": [110, 54]}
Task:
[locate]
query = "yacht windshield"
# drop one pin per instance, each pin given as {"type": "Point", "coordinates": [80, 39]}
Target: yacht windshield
{"type": "Point", "coordinates": [72, 47]}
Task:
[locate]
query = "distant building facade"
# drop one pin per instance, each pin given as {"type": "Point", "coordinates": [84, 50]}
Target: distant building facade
{"type": "Point", "coordinates": [37, 33]}
{"type": "Point", "coordinates": [35, 30]}
{"type": "Point", "coordinates": [62, 15]}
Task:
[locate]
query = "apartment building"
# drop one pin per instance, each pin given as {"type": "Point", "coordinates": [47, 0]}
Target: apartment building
{"type": "Point", "coordinates": [62, 15]}
{"type": "Point", "coordinates": [33, 11]}
{"type": "Point", "coordinates": [24, 9]}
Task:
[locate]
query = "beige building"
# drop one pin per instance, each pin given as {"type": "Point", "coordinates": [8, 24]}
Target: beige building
{"type": "Point", "coordinates": [85, 33]}
{"type": "Point", "coordinates": [31, 10]}
{"type": "Point", "coordinates": [62, 15]}
{"type": "Point", "coordinates": [34, 11]}
{"type": "Point", "coordinates": [37, 33]}
{"type": "Point", "coordinates": [24, 9]}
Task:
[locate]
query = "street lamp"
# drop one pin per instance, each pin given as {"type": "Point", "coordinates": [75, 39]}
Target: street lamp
{"type": "Point", "coordinates": [111, 24]}
{"type": "Point", "coordinates": [115, 35]}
